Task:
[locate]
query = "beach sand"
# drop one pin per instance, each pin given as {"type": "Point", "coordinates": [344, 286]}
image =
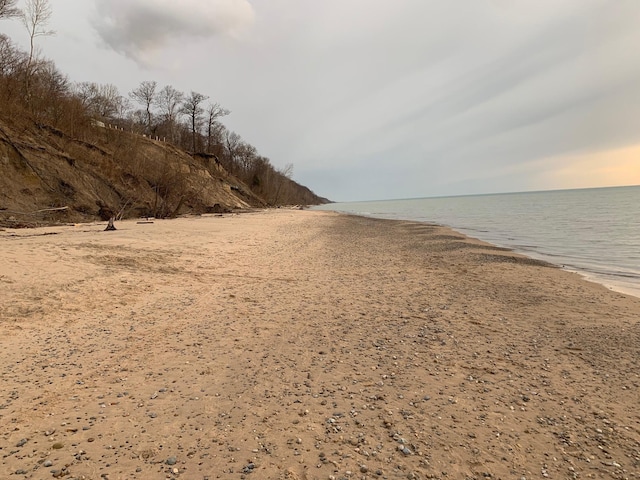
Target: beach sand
{"type": "Point", "coordinates": [307, 345]}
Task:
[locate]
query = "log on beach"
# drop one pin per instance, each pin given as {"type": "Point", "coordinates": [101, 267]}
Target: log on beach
{"type": "Point", "coordinates": [302, 344]}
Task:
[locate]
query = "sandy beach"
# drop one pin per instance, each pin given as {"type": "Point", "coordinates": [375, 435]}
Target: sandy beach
{"type": "Point", "coordinates": [290, 344]}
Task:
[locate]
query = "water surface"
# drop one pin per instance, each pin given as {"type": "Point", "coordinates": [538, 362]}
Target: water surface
{"type": "Point", "coordinates": [595, 232]}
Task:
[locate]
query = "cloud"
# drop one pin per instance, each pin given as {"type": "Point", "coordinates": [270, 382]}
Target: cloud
{"type": "Point", "coordinates": [477, 115]}
{"type": "Point", "coordinates": [141, 28]}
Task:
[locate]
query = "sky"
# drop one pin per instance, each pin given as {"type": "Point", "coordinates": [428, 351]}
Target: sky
{"type": "Point", "coordinates": [381, 99]}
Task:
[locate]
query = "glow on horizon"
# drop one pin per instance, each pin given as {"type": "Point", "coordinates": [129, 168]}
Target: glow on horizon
{"type": "Point", "coordinates": [610, 168]}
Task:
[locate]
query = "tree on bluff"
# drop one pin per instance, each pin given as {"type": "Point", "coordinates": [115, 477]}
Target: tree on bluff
{"type": "Point", "coordinates": [214, 111]}
{"type": "Point", "coordinates": [145, 95]}
{"type": "Point", "coordinates": [169, 100]}
{"type": "Point", "coordinates": [191, 108]}
{"type": "Point", "coordinates": [12, 60]}
{"type": "Point", "coordinates": [35, 18]}
{"type": "Point", "coordinates": [101, 101]}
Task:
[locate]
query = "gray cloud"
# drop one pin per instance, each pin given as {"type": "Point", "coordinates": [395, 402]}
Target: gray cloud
{"type": "Point", "coordinates": [140, 28]}
{"type": "Point", "coordinates": [564, 83]}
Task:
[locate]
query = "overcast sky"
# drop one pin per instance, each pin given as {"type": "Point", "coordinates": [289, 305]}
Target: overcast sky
{"type": "Point", "coordinates": [377, 99]}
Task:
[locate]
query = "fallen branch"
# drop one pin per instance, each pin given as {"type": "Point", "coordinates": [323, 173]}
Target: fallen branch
{"type": "Point", "coordinates": [57, 209]}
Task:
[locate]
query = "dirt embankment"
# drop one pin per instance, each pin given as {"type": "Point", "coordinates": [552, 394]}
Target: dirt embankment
{"type": "Point", "coordinates": [48, 177]}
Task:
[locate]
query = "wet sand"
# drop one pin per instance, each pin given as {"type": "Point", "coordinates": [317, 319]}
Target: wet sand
{"type": "Point", "coordinates": [307, 345]}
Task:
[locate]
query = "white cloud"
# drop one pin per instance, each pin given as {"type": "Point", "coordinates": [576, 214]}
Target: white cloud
{"type": "Point", "coordinates": [141, 28]}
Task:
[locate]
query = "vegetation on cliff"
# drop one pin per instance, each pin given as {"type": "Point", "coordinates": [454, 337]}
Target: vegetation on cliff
{"type": "Point", "coordinates": [77, 151]}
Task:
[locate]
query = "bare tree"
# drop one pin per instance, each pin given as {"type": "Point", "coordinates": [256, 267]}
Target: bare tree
{"type": "Point", "coordinates": [85, 91]}
{"type": "Point", "coordinates": [233, 142]}
{"type": "Point", "coordinates": [214, 111]}
{"type": "Point", "coordinates": [287, 171]}
{"type": "Point", "coordinates": [245, 155]}
{"type": "Point", "coordinates": [169, 100]}
{"type": "Point", "coordinates": [8, 9]}
{"type": "Point", "coordinates": [12, 60]}
{"type": "Point", "coordinates": [110, 102]}
{"type": "Point", "coordinates": [49, 89]}
{"type": "Point", "coordinates": [103, 101]}
{"type": "Point", "coordinates": [36, 16]}
{"type": "Point", "coordinates": [145, 95]}
{"type": "Point", "coordinates": [191, 108]}
{"type": "Point", "coordinates": [282, 177]}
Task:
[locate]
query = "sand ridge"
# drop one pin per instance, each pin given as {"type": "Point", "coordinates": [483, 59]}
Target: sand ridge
{"type": "Point", "coordinates": [307, 345]}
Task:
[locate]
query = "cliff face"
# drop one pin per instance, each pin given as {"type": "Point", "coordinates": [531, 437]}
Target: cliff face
{"type": "Point", "coordinates": [47, 176]}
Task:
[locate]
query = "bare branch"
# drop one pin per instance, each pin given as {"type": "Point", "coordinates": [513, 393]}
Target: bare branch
{"type": "Point", "coordinates": [8, 9]}
{"type": "Point", "coordinates": [36, 16]}
{"type": "Point", "coordinates": [145, 95]}
{"type": "Point", "coordinates": [287, 171]}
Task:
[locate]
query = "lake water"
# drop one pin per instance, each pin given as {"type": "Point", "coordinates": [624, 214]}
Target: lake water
{"type": "Point", "coordinates": [595, 232]}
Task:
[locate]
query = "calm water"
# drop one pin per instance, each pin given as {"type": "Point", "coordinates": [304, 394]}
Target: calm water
{"type": "Point", "coordinates": [595, 232]}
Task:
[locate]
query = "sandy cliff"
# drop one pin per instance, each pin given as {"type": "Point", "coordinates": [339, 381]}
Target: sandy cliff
{"type": "Point", "coordinates": [112, 173]}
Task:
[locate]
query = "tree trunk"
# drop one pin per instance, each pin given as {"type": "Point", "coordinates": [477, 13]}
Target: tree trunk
{"type": "Point", "coordinates": [110, 226]}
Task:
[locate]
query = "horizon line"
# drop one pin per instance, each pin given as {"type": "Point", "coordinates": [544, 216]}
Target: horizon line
{"type": "Point", "coordinates": [486, 194]}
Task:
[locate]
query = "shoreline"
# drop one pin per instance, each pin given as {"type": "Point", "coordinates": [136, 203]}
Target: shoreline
{"type": "Point", "coordinates": [590, 276]}
{"type": "Point", "coordinates": [593, 277]}
{"type": "Point", "coordinates": [308, 345]}
{"type": "Point", "coordinates": [591, 234]}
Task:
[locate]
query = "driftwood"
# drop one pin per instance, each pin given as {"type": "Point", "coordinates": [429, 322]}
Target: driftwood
{"type": "Point", "coordinates": [49, 210]}
{"type": "Point", "coordinates": [110, 226]}
{"type": "Point", "coordinates": [58, 209]}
